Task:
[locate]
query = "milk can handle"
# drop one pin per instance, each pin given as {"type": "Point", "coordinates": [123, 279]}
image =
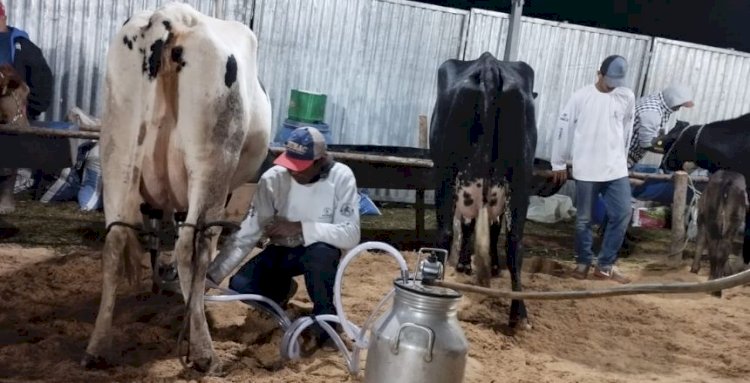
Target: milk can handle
{"type": "Point", "coordinates": [430, 339]}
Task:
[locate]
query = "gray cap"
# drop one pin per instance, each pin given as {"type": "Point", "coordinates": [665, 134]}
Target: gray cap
{"type": "Point", "coordinates": [614, 68]}
{"type": "Point", "coordinates": [678, 95]}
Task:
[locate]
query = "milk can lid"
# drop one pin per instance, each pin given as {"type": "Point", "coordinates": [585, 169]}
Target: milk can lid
{"type": "Point", "coordinates": [432, 291]}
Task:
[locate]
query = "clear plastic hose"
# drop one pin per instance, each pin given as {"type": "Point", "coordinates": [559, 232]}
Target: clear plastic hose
{"type": "Point", "coordinates": [290, 348]}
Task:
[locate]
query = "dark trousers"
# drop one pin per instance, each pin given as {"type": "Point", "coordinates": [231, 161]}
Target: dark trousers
{"type": "Point", "coordinates": [270, 274]}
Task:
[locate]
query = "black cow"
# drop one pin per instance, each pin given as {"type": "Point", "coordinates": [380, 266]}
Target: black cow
{"type": "Point", "coordinates": [717, 145]}
{"type": "Point", "coordinates": [482, 142]}
{"type": "Point", "coordinates": [721, 209]}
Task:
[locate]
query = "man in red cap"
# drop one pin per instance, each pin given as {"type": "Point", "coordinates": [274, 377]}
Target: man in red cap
{"type": "Point", "coordinates": [308, 208]}
{"type": "Point", "coordinates": [26, 58]}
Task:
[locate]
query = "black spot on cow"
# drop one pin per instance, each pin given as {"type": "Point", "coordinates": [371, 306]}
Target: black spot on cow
{"type": "Point", "coordinates": [176, 57]}
{"type": "Point", "coordinates": [135, 37]}
{"type": "Point", "coordinates": [167, 25]}
{"type": "Point", "coordinates": [154, 59]}
{"type": "Point", "coordinates": [231, 75]}
{"type": "Point", "coordinates": [468, 201]}
{"type": "Point", "coordinates": [493, 202]}
{"type": "Point", "coordinates": [141, 133]}
{"type": "Point", "coordinates": [127, 42]}
{"type": "Point", "coordinates": [149, 25]}
{"type": "Point", "coordinates": [479, 184]}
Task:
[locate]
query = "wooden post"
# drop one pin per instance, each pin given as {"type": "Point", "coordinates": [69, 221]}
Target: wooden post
{"type": "Point", "coordinates": [419, 208]}
{"type": "Point", "coordinates": [423, 130]}
{"type": "Point", "coordinates": [678, 216]}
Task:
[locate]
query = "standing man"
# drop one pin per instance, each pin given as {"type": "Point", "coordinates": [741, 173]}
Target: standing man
{"type": "Point", "coordinates": [594, 131]}
{"type": "Point", "coordinates": [308, 207]}
{"type": "Point", "coordinates": [652, 113]}
{"type": "Point", "coordinates": [17, 49]}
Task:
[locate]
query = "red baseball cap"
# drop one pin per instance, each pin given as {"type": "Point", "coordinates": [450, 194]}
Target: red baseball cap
{"type": "Point", "coordinates": [303, 147]}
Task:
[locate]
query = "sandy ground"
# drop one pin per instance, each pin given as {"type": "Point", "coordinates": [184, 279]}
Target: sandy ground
{"type": "Point", "coordinates": [49, 298]}
{"type": "Point", "coordinates": [50, 282]}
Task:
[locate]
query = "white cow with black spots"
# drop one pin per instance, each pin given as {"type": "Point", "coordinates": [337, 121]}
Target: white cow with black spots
{"type": "Point", "coordinates": [186, 121]}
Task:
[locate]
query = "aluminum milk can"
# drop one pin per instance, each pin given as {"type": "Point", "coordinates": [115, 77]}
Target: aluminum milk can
{"type": "Point", "coordinates": [419, 340]}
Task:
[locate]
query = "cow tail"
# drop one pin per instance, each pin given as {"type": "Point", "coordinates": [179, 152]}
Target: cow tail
{"type": "Point", "coordinates": [482, 246]}
{"type": "Point", "coordinates": [492, 85]}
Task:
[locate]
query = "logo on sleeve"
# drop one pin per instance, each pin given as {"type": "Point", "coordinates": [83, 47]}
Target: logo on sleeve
{"type": "Point", "coordinates": [346, 210]}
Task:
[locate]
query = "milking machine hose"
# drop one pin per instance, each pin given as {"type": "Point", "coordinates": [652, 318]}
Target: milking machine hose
{"type": "Point", "coordinates": [290, 349]}
{"type": "Point", "coordinates": [276, 311]}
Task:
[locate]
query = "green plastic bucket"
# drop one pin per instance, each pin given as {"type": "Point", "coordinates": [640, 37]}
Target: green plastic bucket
{"type": "Point", "coordinates": [307, 106]}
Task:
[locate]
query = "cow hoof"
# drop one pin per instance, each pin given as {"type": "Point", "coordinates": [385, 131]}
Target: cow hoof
{"type": "Point", "coordinates": [694, 270]}
{"type": "Point", "coordinates": [464, 268]}
{"type": "Point", "coordinates": [93, 362]}
{"type": "Point", "coordinates": [168, 273]}
{"type": "Point", "coordinates": [495, 271]}
{"type": "Point", "coordinates": [521, 325]}
{"type": "Point", "coordinates": [209, 366]}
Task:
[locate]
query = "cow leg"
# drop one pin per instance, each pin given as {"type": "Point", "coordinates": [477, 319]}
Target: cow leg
{"type": "Point", "coordinates": [120, 241]}
{"type": "Point", "coordinates": [192, 253]}
{"type": "Point", "coordinates": [495, 230]}
{"type": "Point", "coordinates": [519, 204]}
{"type": "Point", "coordinates": [464, 256]}
{"type": "Point", "coordinates": [444, 208]}
{"type": "Point", "coordinates": [746, 240]}
{"type": "Point", "coordinates": [713, 261]}
{"type": "Point", "coordinates": [497, 209]}
{"type": "Point", "coordinates": [700, 245]}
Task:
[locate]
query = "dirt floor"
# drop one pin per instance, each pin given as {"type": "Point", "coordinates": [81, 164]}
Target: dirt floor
{"type": "Point", "coordinates": [50, 286]}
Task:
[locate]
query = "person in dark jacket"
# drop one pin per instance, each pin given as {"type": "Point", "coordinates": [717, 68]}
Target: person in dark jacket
{"type": "Point", "coordinates": [17, 49]}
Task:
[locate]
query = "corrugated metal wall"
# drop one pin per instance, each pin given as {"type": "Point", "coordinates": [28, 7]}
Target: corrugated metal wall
{"type": "Point", "coordinates": [719, 78]}
{"type": "Point", "coordinates": [564, 56]}
{"type": "Point", "coordinates": [375, 60]}
{"type": "Point", "coordinates": [74, 36]}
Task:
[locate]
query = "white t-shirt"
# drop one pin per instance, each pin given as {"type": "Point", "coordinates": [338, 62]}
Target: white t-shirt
{"type": "Point", "coordinates": [328, 210]}
{"type": "Point", "coordinates": [593, 132]}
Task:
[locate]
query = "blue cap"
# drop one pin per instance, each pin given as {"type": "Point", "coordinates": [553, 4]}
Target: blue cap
{"type": "Point", "coordinates": [614, 68]}
{"type": "Point", "coordinates": [303, 147]}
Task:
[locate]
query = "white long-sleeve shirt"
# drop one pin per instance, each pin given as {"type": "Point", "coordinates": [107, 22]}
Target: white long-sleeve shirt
{"type": "Point", "coordinates": [328, 210]}
{"type": "Point", "coordinates": [593, 132]}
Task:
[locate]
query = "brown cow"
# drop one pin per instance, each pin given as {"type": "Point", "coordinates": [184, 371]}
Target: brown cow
{"type": "Point", "coordinates": [721, 211]}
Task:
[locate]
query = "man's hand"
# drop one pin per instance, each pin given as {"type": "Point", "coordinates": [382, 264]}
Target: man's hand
{"type": "Point", "coordinates": [560, 176]}
{"type": "Point", "coordinates": [281, 229]}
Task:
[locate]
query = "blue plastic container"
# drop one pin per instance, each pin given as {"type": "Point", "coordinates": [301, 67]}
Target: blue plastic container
{"type": "Point", "coordinates": [290, 125]}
